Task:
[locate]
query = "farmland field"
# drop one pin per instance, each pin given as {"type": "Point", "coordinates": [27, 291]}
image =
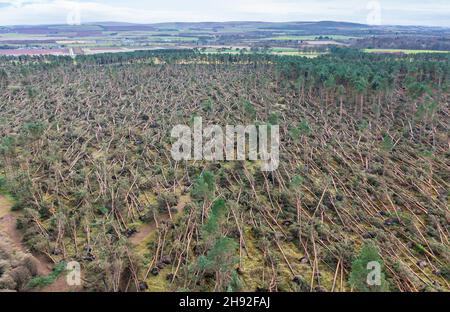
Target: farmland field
{"type": "Point", "coordinates": [404, 51]}
{"type": "Point", "coordinates": [272, 51]}
{"type": "Point", "coordinates": [312, 37]}
{"type": "Point", "coordinates": [299, 39]}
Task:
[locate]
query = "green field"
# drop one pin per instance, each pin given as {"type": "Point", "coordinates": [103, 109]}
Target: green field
{"type": "Point", "coordinates": [172, 39]}
{"type": "Point", "coordinates": [17, 36]}
{"type": "Point", "coordinates": [405, 51]}
{"type": "Point", "coordinates": [273, 51]}
{"type": "Point", "coordinates": [312, 37]}
{"type": "Point", "coordinates": [292, 52]}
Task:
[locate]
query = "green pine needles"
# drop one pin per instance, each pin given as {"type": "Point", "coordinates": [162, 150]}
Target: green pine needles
{"type": "Point", "coordinates": [367, 274]}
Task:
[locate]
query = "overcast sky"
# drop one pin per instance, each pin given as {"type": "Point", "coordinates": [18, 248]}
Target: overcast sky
{"type": "Point", "coordinates": [399, 12]}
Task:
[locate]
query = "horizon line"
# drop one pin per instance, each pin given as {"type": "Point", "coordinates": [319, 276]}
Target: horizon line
{"type": "Point", "coordinates": [230, 21]}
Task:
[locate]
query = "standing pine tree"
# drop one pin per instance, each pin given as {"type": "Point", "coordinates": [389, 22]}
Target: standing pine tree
{"type": "Point", "coordinates": [4, 81]}
{"type": "Point", "coordinates": [367, 273]}
{"type": "Point", "coordinates": [387, 145]}
{"type": "Point", "coordinates": [220, 259]}
{"type": "Point", "coordinates": [203, 190]}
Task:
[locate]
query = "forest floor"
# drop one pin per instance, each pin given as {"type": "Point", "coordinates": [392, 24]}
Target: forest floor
{"type": "Point", "coordinates": [146, 230]}
{"type": "Point", "coordinates": [146, 234]}
{"type": "Point", "coordinates": [8, 220]}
